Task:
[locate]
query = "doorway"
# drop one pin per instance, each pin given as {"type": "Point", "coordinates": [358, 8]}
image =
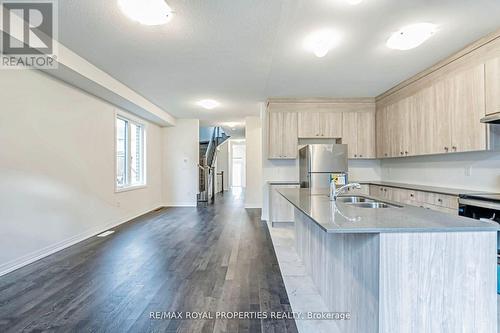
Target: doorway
{"type": "Point", "coordinates": [238, 164]}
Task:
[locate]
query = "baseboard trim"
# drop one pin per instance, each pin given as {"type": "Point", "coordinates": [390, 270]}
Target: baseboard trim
{"type": "Point", "coordinates": [180, 204]}
{"type": "Point", "coordinates": [51, 249]}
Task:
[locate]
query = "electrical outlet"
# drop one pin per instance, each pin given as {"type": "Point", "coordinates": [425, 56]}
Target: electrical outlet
{"type": "Point", "coordinates": [468, 171]}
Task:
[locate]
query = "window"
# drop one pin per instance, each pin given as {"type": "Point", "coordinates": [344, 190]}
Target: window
{"type": "Point", "coordinates": [130, 148]}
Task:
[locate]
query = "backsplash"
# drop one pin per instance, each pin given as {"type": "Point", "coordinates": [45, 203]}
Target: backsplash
{"type": "Point", "coordinates": [469, 171]}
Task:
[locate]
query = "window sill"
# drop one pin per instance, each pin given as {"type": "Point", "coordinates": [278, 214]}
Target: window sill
{"type": "Point", "coordinates": [130, 188]}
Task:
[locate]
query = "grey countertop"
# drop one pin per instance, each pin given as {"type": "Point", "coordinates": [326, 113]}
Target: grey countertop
{"type": "Point", "coordinates": [424, 188]}
{"type": "Point", "coordinates": [344, 218]}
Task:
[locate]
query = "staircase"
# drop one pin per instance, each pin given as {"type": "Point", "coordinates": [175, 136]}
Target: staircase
{"type": "Point", "coordinates": [207, 159]}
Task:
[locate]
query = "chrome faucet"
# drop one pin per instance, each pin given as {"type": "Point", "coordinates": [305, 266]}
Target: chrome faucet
{"type": "Point", "coordinates": [335, 192]}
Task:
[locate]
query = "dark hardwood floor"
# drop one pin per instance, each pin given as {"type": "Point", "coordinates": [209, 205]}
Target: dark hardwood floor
{"type": "Point", "coordinates": [216, 258]}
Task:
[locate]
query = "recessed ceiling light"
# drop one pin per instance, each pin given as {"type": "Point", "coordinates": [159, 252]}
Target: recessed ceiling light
{"type": "Point", "coordinates": [208, 104]}
{"type": "Point", "coordinates": [411, 36]}
{"type": "Point", "coordinates": [147, 12]}
{"type": "Point", "coordinates": [354, 2]}
{"type": "Point", "coordinates": [321, 41]}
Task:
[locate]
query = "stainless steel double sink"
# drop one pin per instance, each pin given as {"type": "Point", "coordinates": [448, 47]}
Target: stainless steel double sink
{"type": "Point", "coordinates": [363, 202]}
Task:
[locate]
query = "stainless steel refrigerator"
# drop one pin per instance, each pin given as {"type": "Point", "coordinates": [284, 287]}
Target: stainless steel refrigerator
{"type": "Point", "coordinates": [317, 164]}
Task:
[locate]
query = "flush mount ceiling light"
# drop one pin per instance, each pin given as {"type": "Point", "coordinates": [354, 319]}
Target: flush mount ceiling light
{"type": "Point", "coordinates": [147, 12]}
{"type": "Point", "coordinates": [411, 36]}
{"type": "Point", "coordinates": [321, 41]}
{"type": "Point", "coordinates": [208, 104]}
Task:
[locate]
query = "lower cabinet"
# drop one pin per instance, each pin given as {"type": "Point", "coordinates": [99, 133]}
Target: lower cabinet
{"type": "Point", "coordinates": [280, 210]}
{"type": "Point", "coordinates": [430, 200]}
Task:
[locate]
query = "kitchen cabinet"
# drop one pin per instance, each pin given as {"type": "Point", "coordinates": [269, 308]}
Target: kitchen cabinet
{"type": "Point", "coordinates": [280, 210]}
{"type": "Point", "coordinates": [320, 124]}
{"type": "Point", "coordinates": [441, 118]}
{"type": "Point", "coordinates": [466, 107]}
{"type": "Point", "coordinates": [283, 142]}
{"type": "Point", "coordinates": [383, 132]}
{"type": "Point", "coordinates": [358, 132]}
{"type": "Point", "coordinates": [492, 85]}
{"type": "Point", "coordinates": [309, 124]}
{"type": "Point", "coordinates": [430, 200]}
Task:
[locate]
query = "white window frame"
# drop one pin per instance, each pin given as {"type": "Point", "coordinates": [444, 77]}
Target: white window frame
{"type": "Point", "coordinates": [135, 121]}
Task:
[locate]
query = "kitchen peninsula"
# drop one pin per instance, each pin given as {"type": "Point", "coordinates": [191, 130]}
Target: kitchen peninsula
{"type": "Point", "coordinates": [398, 268]}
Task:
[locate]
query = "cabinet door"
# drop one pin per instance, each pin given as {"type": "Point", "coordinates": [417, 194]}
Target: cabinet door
{"type": "Point", "coordinates": [275, 140]}
{"type": "Point", "coordinates": [330, 124]}
{"type": "Point", "coordinates": [381, 120]}
{"type": "Point", "coordinates": [289, 135]}
{"type": "Point", "coordinates": [309, 125]}
{"type": "Point", "coordinates": [392, 131]}
{"type": "Point", "coordinates": [467, 108]}
{"type": "Point", "coordinates": [402, 128]}
{"type": "Point", "coordinates": [350, 133]}
{"type": "Point", "coordinates": [281, 210]}
{"type": "Point", "coordinates": [492, 85]}
{"type": "Point", "coordinates": [365, 134]}
{"type": "Point", "coordinates": [425, 128]}
{"type": "Point", "coordinates": [439, 118]}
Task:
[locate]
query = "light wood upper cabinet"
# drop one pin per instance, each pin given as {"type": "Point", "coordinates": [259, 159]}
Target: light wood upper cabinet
{"type": "Point", "coordinates": [350, 133]}
{"type": "Point", "coordinates": [492, 85]}
{"type": "Point", "coordinates": [289, 135]}
{"type": "Point", "coordinates": [330, 124]}
{"type": "Point", "coordinates": [467, 106]}
{"type": "Point", "coordinates": [366, 134]}
{"type": "Point", "coordinates": [441, 118]}
{"type": "Point", "coordinates": [320, 124]}
{"type": "Point", "coordinates": [382, 129]}
{"type": "Point", "coordinates": [309, 124]}
{"type": "Point", "coordinates": [358, 132]}
{"type": "Point", "coordinates": [283, 143]}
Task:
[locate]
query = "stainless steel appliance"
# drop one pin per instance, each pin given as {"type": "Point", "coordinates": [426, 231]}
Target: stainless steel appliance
{"type": "Point", "coordinates": [318, 163]}
{"type": "Point", "coordinates": [485, 207]}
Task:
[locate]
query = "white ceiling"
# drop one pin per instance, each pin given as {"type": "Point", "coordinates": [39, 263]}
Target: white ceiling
{"type": "Point", "coordinates": [240, 52]}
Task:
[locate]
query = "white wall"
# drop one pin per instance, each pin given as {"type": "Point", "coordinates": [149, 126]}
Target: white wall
{"type": "Point", "coordinates": [223, 165]}
{"type": "Point", "coordinates": [181, 156]}
{"type": "Point", "coordinates": [253, 138]}
{"type": "Point", "coordinates": [57, 183]}
{"type": "Point", "coordinates": [447, 170]}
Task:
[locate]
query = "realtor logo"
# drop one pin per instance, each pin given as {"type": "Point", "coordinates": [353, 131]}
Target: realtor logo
{"type": "Point", "coordinates": [28, 33]}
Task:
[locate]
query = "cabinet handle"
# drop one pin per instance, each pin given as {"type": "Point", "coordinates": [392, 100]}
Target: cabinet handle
{"type": "Point", "coordinates": [385, 154]}
{"type": "Point", "coordinates": [406, 153]}
{"type": "Point", "coordinates": [454, 148]}
{"type": "Point", "coordinates": [355, 155]}
{"type": "Point", "coordinates": [411, 195]}
{"type": "Point", "coordinates": [446, 149]}
{"type": "Point", "coordinates": [401, 153]}
{"type": "Point", "coordinates": [385, 190]}
{"type": "Point", "coordinates": [440, 200]}
{"type": "Point", "coordinates": [360, 155]}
